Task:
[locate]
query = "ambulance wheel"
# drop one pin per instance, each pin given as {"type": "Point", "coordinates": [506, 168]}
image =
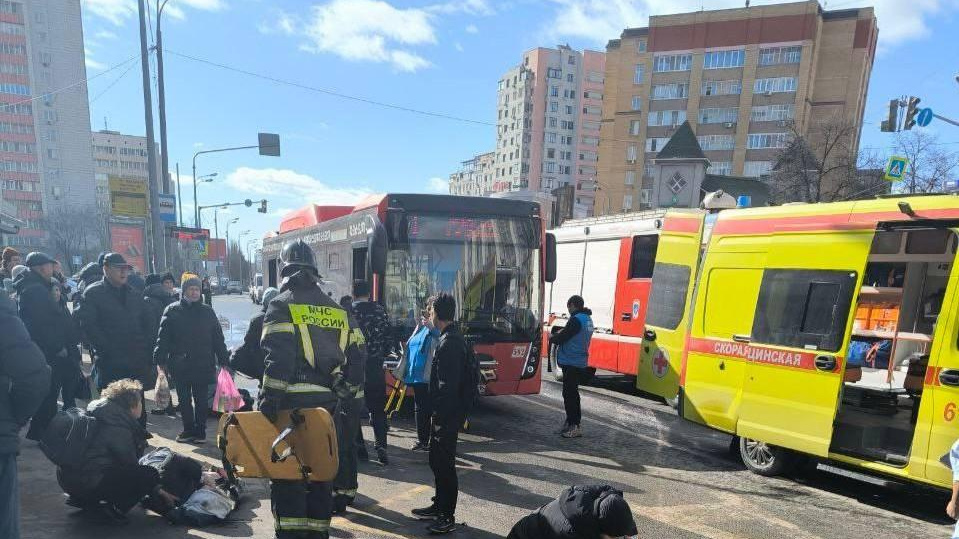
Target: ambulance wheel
{"type": "Point", "coordinates": [557, 370]}
{"type": "Point", "coordinates": [765, 459]}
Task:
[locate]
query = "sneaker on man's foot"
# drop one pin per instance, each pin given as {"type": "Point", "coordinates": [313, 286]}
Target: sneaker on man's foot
{"type": "Point", "coordinates": [199, 438]}
{"type": "Point", "coordinates": [573, 432]}
{"type": "Point", "coordinates": [442, 525]}
{"type": "Point", "coordinates": [427, 513]}
{"type": "Point", "coordinates": [564, 429]}
{"type": "Point", "coordinates": [381, 456]}
{"type": "Point", "coordinates": [185, 437]}
{"type": "Point", "coordinates": [420, 447]}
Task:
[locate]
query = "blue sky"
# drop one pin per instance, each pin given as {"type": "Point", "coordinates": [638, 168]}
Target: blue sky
{"type": "Point", "coordinates": [441, 56]}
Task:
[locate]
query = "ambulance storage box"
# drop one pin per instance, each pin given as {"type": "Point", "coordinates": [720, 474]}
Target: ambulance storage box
{"type": "Point", "coordinates": [247, 441]}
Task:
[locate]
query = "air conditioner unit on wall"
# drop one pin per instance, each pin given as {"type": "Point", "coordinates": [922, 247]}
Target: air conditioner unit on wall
{"type": "Point", "coordinates": [729, 125]}
{"type": "Point", "coordinates": [769, 93]}
{"type": "Point", "coordinates": [781, 123]}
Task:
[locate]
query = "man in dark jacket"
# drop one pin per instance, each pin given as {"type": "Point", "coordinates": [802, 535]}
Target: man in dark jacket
{"type": "Point", "coordinates": [113, 318]}
{"type": "Point", "coordinates": [191, 341]}
{"type": "Point", "coordinates": [446, 391]}
{"type": "Point", "coordinates": [375, 323]}
{"type": "Point", "coordinates": [110, 471]}
{"type": "Point", "coordinates": [580, 512]}
{"type": "Point", "coordinates": [156, 297]}
{"type": "Point", "coordinates": [573, 358]}
{"type": "Point", "coordinates": [24, 380]}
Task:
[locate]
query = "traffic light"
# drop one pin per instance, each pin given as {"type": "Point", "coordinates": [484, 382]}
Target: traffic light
{"type": "Point", "coordinates": [262, 208]}
{"type": "Point", "coordinates": [891, 125]}
{"type": "Point", "coordinates": [911, 110]}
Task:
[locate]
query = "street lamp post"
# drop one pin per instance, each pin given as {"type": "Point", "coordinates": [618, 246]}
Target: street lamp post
{"type": "Point", "coordinates": [269, 144]}
{"type": "Point", "coordinates": [206, 178]}
{"type": "Point", "coordinates": [239, 241]}
{"type": "Point", "coordinates": [161, 102]}
{"type": "Point", "coordinates": [234, 220]}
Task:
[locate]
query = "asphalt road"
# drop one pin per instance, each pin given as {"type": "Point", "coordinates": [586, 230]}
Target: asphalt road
{"type": "Point", "coordinates": [679, 478]}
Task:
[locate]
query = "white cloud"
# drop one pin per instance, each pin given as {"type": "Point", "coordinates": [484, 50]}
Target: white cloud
{"type": "Point", "coordinates": [439, 185]}
{"type": "Point", "coordinates": [280, 213]}
{"type": "Point", "coordinates": [118, 11]}
{"type": "Point", "coordinates": [470, 7]}
{"type": "Point", "coordinates": [472, 29]}
{"type": "Point", "coordinates": [602, 20]}
{"type": "Point", "coordinates": [458, 46]}
{"type": "Point", "coordinates": [91, 63]}
{"type": "Point", "coordinates": [370, 30]}
{"type": "Point", "coordinates": [289, 183]}
{"type": "Point", "coordinates": [105, 34]}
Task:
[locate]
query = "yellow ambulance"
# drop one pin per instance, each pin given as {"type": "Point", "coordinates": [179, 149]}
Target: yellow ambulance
{"type": "Point", "coordinates": [823, 330]}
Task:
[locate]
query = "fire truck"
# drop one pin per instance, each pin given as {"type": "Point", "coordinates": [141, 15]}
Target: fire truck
{"type": "Point", "coordinates": [489, 253]}
{"type": "Point", "coordinates": [609, 262]}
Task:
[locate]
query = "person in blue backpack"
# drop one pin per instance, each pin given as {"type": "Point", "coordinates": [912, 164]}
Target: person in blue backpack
{"type": "Point", "coordinates": [573, 357]}
{"type": "Point", "coordinates": [420, 348]}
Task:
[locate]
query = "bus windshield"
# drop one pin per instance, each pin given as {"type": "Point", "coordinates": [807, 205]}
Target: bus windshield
{"type": "Point", "coordinates": [489, 264]}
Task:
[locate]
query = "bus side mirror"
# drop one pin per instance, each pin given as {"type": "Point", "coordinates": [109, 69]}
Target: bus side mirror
{"type": "Point", "coordinates": [378, 247]}
{"type": "Point", "coordinates": [549, 262]}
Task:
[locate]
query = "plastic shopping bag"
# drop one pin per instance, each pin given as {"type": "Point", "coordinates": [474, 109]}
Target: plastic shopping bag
{"type": "Point", "coordinates": [161, 395]}
{"type": "Point", "coordinates": [227, 397]}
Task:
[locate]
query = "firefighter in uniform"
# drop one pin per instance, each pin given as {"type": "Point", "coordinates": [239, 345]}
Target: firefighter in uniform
{"type": "Point", "coordinates": [314, 358]}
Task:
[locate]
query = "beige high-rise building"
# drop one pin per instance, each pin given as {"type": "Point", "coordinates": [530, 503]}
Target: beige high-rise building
{"type": "Point", "coordinates": [742, 77]}
{"type": "Point", "coordinates": [475, 177]}
{"type": "Point", "coordinates": [120, 156]}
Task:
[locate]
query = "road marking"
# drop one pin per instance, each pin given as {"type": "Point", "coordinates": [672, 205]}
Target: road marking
{"type": "Point", "coordinates": [406, 495]}
{"type": "Point", "coordinates": [341, 523]}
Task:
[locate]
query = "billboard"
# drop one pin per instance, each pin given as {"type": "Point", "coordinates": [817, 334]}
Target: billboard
{"type": "Point", "coordinates": [128, 197]}
{"type": "Point", "coordinates": [128, 240]}
{"type": "Point", "coordinates": [168, 208]}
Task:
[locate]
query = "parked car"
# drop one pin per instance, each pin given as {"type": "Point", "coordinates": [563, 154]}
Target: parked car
{"type": "Point", "coordinates": [234, 287]}
{"type": "Point", "coordinates": [256, 289]}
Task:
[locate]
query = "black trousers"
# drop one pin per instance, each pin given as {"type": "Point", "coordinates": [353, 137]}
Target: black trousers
{"type": "Point", "coordinates": [376, 402]}
{"type": "Point", "coordinates": [572, 377]}
{"type": "Point", "coordinates": [192, 397]}
{"type": "Point", "coordinates": [64, 378]}
{"type": "Point", "coordinates": [443, 464]}
{"type": "Point", "coordinates": [424, 412]}
{"type": "Point", "coordinates": [106, 373]}
{"type": "Point", "coordinates": [125, 486]}
{"type": "Point", "coordinates": [347, 429]}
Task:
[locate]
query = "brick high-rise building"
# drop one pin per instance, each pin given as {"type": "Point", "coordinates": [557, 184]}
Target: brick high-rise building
{"type": "Point", "coordinates": [547, 129]}
{"type": "Point", "coordinates": [740, 76]}
{"type": "Point", "coordinates": [45, 148]}
{"type": "Point", "coordinates": [475, 177]}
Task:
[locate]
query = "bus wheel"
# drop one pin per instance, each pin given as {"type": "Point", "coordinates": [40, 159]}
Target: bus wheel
{"type": "Point", "coordinates": [765, 459]}
{"type": "Point", "coordinates": [557, 370]}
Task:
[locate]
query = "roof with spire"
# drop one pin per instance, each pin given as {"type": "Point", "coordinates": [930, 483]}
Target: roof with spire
{"type": "Point", "coordinates": [682, 145]}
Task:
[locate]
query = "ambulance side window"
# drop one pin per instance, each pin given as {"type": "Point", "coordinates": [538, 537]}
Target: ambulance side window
{"type": "Point", "coordinates": [668, 295]}
{"type": "Point", "coordinates": [643, 257]}
{"type": "Point", "coordinates": [803, 308]}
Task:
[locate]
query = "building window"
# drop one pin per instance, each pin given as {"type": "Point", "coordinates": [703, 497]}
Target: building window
{"type": "Point", "coordinates": [716, 142]}
{"type": "Point", "coordinates": [553, 73]}
{"type": "Point", "coordinates": [630, 175]}
{"type": "Point", "coordinates": [720, 168]}
{"type": "Point", "coordinates": [550, 153]}
{"type": "Point", "coordinates": [593, 94]}
{"type": "Point", "coordinates": [569, 77]}
{"type": "Point", "coordinates": [550, 166]}
{"type": "Point", "coordinates": [641, 45]}
{"type": "Point", "coordinates": [805, 309]}
{"type": "Point", "coordinates": [755, 169]}
{"type": "Point", "coordinates": [637, 103]}
{"type": "Point", "coordinates": [648, 169]}
{"type": "Point", "coordinates": [591, 125]}
{"type": "Point", "coordinates": [551, 137]}
{"type": "Point", "coordinates": [724, 59]}
{"type": "Point", "coordinates": [759, 141]}
{"type": "Point", "coordinates": [631, 153]}
{"type": "Point", "coordinates": [638, 74]}
{"type": "Point", "coordinates": [772, 113]}
{"type": "Point", "coordinates": [15, 89]}
{"type": "Point", "coordinates": [672, 62]}
{"type": "Point", "coordinates": [569, 109]}
{"type": "Point", "coordinates": [11, 29]}
{"type": "Point", "coordinates": [718, 116]}
{"type": "Point", "coordinates": [571, 60]}
{"type": "Point", "coordinates": [643, 258]}
{"type": "Point", "coordinates": [552, 121]}
{"type": "Point", "coordinates": [654, 144]}
{"type": "Point", "coordinates": [678, 90]}
{"type": "Point", "coordinates": [627, 202]}
{"type": "Point", "coordinates": [775, 85]}
{"type": "Point", "coordinates": [634, 127]}
{"type": "Point", "coordinates": [554, 106]}
{"type": "Point", "coordinates": [13, 8]}
{"type": "Point", "coordinates": [722, 87]}
{"type": "Point", "coordinates": [668, 294]}
{"type": "Point", "coordinates": [665, 117]}
{"type": "Point", "coordinates": [780, 55]}
{"type": "Point", "coordinates": [554, 91]}
{"type": "Point", "coordinates": [595, 76]}
{"type": "Point", "coordinates": [591, 141]}
{"type": "Point", "coordinates": [592, 110]}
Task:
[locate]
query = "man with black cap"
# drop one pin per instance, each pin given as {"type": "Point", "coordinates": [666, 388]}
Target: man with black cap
{"type": "Point", "coordinates": [315, 355]}
{"type": "Point", "coordinates": [51, 328]}
{"type": "Point", "coordinates": [580, 512]}
{"type": "Point", "coordinates": [114, 319]}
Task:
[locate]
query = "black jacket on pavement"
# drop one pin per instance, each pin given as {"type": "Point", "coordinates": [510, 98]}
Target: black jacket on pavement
{"type": "Point", "coordinates": [119, 440]}
{"type": "Point", "coordinates": [24, 377]}
{"type": "Point", "coordinates": [575, 514]}
{"type": "Point", "coordinates": [156, 299]}
{"type": "Point", "coordinates": [115, 322]}
{"type": "Point", "coordinates": [446, 377]}
{"type": "Point", "coordinates": [191, 338]}
{"type": "Point", "coordinates": [248, 358]}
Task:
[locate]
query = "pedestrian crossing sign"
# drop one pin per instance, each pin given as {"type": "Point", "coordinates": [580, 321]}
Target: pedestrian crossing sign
{"type": "Point", "coordinates": [896, 168]}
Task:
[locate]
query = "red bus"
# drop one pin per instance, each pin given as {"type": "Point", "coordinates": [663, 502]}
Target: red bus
{"type": "Point", "coordinates": [489, 253]}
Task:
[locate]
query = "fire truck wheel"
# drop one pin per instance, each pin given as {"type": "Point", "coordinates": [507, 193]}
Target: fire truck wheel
{"type": "Point", "coordinates": [765, 459]}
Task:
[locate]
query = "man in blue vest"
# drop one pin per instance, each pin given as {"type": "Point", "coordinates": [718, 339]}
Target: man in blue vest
{"type": "Point", "coordinates": [573, 358]}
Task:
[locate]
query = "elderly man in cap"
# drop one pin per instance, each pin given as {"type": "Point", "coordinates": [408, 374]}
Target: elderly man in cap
{"type": "Point", "coordinates": [114, 319]}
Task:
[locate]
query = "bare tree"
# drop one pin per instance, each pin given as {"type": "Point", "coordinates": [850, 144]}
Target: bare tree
{"type": "Point", "coordinates": [820, 166]}
{"type": "Point", "coordinates": [72, 231]}
{"type": "Point", "coordinates": [930, 163]}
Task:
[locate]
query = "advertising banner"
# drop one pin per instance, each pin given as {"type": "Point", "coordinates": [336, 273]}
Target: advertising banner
{"type": "Point", "coordinates": [168, 208]}
{"type": "Point", "coordinates": [128, 197]}
{"type": "Point", "coordinates": [128, 240]}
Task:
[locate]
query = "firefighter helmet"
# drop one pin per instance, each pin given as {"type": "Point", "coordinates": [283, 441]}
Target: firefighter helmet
{"type": "Point", "coordinates": [296, 255]}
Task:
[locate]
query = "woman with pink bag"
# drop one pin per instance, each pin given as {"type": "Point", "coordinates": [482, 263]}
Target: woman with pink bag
{"type": "Point", "coordinates": [191, 341]}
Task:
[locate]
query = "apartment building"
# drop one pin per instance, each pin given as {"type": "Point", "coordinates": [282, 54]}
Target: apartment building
{"type": "Point", "coordinates": [45, 160]}
{"type": "Point", "coordinates": [744, 78]}
{"type": "Point", "coordinates": [120, 156]}
{"type": "Point", "coordinates": [549, 109]}
{"type": "Point", "coordinates": [475, 176]}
